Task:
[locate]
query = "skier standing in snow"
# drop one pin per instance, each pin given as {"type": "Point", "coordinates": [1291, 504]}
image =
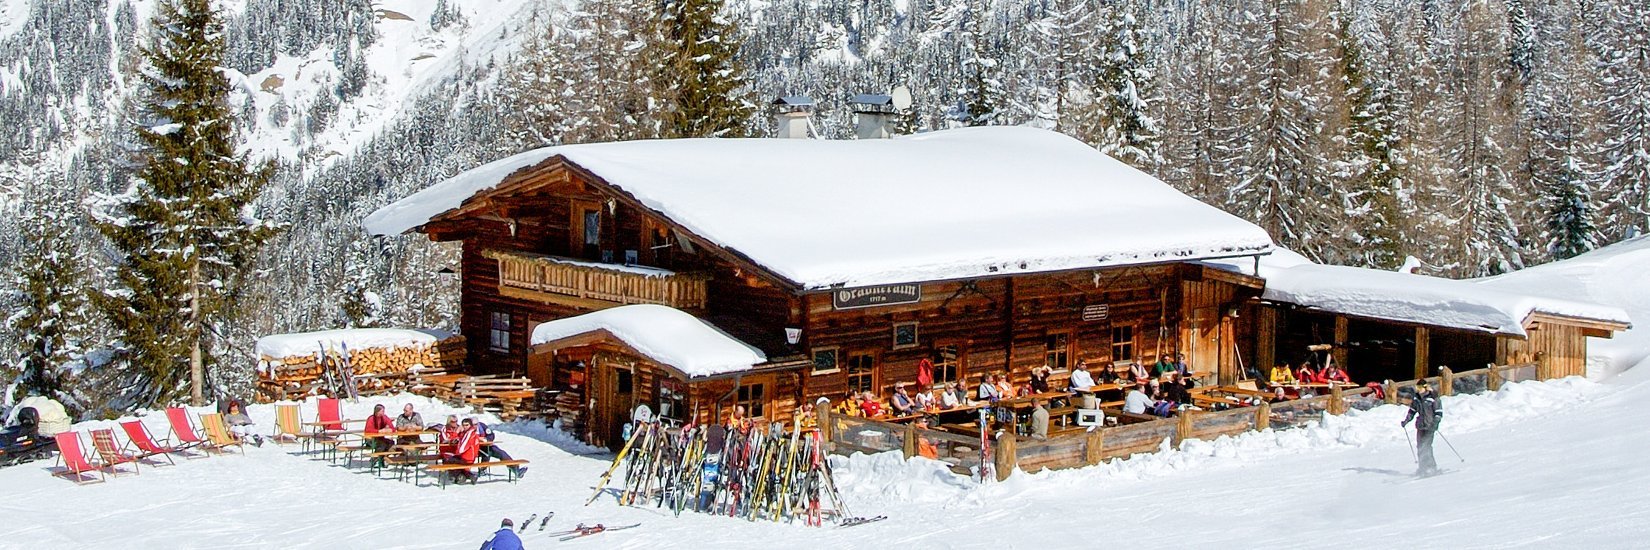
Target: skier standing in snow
{"type": "Point", "coordinates": [503, 539]}
{"type": "Point", "coordinates": [1427, 413]}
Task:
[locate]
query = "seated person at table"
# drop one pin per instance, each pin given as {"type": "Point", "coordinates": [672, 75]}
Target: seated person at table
{"type": "Point", "coordinates": [1039, 419]}
{"type": "Point", "coordinates": [493, 451]}
{"type": "Point", "coordinates": [1004, 387]}
{"type": "Point", "coordinates": [1083, 383]}
{"type": "Point", "coordinates": [466, 446]}
{"type": "Point", "coordinates": [949, 396]}
{"type": "Point", "coordinates": [1138, 373]}
{"type": "Point", "coordinates": [240, 424]}
{"type": "Point", "coordinates": [1306, 374]}
{"type": "Point", "coordinates": [924, 400]}
{"type": "Point", "coordinates": [959, 389]}
{"type": "Point", "coordinates": [1137, 402]}
{"type": "Point", "coordinates": [1282, 376]}
{"type": "Point", "coordinates": [1333, 373]}
{"type": "Point", "coordinates": [987, 391]}
{"type": "Point", "coordinates": [1161, 404]}
{"type": "Point", "coordinates": [901, 401]}
{"type": "Point", "coordinates": [1180, 365]}
{"type": "Point", "coordinates": [925, 446]}
{"type": "Point", "coordinates": [848, 405]}
{"type": "Point", "coordinates": [1163, 366]}
{"type": "Point", "coordinates": [1178, 389]}
{"type": "Point", "coordinates": [409, 420]}
{"type": "Point", "coordinates": [447, 435]}
{"type": "Point", "coordinates": [868, 406]}
{"type": "Point", "coordinates": [1039, 379]}
{"type": "Point", "coordinates": [1105, 375]}
{"type": "Point", "coordinates": [379, 423]}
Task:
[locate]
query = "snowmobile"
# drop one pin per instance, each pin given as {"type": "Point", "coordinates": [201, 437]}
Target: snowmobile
{"type": "Point", "coordinates": [22, 442]}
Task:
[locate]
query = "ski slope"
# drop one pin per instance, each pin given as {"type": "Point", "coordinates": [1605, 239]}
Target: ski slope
{"type": "Point", "coordinates": [1547, 463]}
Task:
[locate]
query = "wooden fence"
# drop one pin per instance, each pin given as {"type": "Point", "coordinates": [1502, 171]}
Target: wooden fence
{"type": "Point", "coordinates": [853, 434]}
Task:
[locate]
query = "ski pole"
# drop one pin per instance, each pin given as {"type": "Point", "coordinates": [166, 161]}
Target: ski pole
{"type": "Point", "coordinates": [1451, 447]}
{"type": "Point", "coordinates": [1411, 442]}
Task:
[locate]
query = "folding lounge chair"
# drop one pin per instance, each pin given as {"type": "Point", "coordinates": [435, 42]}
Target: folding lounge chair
{"type": "Point", "coordinates": [289, 425]}
{"type": "Point", "coordinates": [138, 436]}
{"type": "Point", "coordinates": [218, 434]}
{"type": "Point", "coordinates": [109, 452]}
{"type": "Point", "coordinates": [329, 423]}
{"type": "Point", "coordinates": [74, 459]}
{"type": "Point", "coordinates": [184, 435]}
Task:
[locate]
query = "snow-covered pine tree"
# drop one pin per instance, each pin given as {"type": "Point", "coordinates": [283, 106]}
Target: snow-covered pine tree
{"type": "Point", "coordinates": [1373, 179]}
{"type": "Point", "coordinates": [54, 313]}
{"type": "Point", "coordinates": [359, 302]}
{"type": "Point", "coordinates": [1624, 52]}
{"type": "Point", "coordinates": [1485, 226]}
{"type": "Point", "coordinates": [1123, 91]}
{"type": "Point", "coordinates": [612, 81]}
{"type": "Point", "coordinates": [703, 76]}
{"type": "Point", "coordinates": [981, 93]}
{"type": "Point", "coordinates": [1558, 102]}
{"type": "Point", "coordinates": [183, 230]}
{"type": "Point", "coordinates": [533, 96]}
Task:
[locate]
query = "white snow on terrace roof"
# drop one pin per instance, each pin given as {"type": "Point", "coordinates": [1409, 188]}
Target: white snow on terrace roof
{"type": "Point", "coordinates": [308, 343]}
{"type": "Point", "coordinates": [665, 335]}
{"type": "Point", "coordinates": [951, 204]}
{"type": "Point", "coordinates": [1407, 297]}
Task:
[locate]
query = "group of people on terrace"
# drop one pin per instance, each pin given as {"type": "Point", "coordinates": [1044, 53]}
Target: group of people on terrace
{"type": "Point", "coordinates": [1305, 379]}
{"type": "Point", "coordinates": [457, 441]}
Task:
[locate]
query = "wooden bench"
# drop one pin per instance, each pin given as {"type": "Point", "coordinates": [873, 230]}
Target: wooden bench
{"type": "Point", "coordinates": [437, 469]}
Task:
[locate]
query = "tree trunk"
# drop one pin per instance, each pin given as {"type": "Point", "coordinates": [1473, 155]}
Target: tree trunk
{"type": "Point", "coordinates": [197, 370]}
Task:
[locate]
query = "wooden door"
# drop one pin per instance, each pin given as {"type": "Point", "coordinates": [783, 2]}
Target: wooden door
{"type": "Point", "coordinates": [613, 393]}
{"type": "Point", "coordinates": [538, 368]}
{"type": "Point", "coordinates": [1200, 340]}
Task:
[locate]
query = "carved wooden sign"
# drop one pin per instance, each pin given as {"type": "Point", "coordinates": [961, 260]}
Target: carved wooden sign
{"type": "Point", "coordinates": [872, 296]}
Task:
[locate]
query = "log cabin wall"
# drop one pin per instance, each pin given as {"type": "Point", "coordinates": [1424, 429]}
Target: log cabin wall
{"type": "Point", "coordinates": [993, 325]}
{"type": "Point", "coordinates": [1561, 350]}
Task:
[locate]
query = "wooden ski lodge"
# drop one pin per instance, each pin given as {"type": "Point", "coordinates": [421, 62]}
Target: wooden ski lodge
{"type": "Point", "coordinates": [697, 275]}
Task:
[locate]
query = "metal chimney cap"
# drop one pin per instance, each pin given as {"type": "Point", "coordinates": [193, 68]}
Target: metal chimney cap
{"type": "Point", "coordinates": [872, 99]}
{"type": "Point", "coordinates": [794, 102]}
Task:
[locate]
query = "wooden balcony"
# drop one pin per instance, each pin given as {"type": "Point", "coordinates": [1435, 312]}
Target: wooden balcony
{"type": "Point", "coordinates": [589, 285]}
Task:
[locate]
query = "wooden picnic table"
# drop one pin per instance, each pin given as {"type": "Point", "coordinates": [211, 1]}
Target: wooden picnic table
{"type": "Point", "coordinates": [397, 433]}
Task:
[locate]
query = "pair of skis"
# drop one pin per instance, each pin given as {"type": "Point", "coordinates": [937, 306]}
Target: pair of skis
{"type": "Point", "coordinates": [584, 531]}
{"type": "Point", "coordinates": [529, 522]}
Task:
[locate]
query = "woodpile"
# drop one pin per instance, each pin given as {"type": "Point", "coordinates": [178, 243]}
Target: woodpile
{"type": "Point", "coordinates": [377, 370]}
{"type": "Point", "coordinates": [508, 398]}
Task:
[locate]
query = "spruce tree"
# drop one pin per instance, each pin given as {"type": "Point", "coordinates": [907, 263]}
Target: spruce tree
{"type": "Point", "coordinates": [1373, 189]}
{"type": "Point", "coordinates": [51, 321]}
{"type": "Point", "coordinates": [703, 74]}
{"type": "Point", "coordinates": [183, 230]}
{"type": "Point", "coordinates": [1123, 93]}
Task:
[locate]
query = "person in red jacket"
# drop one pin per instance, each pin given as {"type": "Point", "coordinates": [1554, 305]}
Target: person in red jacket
{"type": "Point", "coordinates": [446, 436]}
{"type": "Point", "coordinates": [379, 423]}
{"type": "Point", "coordinates": [465, 448]}
{"type": "Point", "coordinates": [1334, 373]}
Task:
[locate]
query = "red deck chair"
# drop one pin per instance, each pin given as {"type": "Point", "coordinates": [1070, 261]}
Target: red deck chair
{"type": "Point", "coordinates": [138, 436]}
{"type": "Point", "coordinates": [331, 414]}
{"type": "Point", "coordinates": [109, 452]}
{"type": "Point", "coordinates": [74, 460]}
{"type": "Point", "coordinates": [184, 435]}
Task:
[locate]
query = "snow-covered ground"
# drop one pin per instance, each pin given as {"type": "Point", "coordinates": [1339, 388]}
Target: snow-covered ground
{"type": "Point", "coordinates": [1546, 464]}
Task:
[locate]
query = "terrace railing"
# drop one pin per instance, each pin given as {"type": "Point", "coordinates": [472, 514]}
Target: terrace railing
{"type": "Point", "coordinates": [591, 285]}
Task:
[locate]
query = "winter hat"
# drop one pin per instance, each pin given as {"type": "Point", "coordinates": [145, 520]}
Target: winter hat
{"type": "Point", "coordinates": [1422, 383]}
{"type": "Point", "coordinates": [507, 523]}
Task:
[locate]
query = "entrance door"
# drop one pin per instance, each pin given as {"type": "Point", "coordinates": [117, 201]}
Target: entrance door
{"type": "Point", "coordinates": [613, 391]}
{"type": "Point", "coordinates": [1201, 341]}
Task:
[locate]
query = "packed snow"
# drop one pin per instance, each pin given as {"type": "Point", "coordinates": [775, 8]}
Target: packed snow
{"type": "Point", "coordinates": [1399, 296]}
{"type": "Point", "coordinates": [1619, 275]}
{"type": "Point", "coordinates": [664, 334]}
{"type": "Point", "coordinates": [950, 204]}
{"type": "Point", "coordinates": [310, 343]}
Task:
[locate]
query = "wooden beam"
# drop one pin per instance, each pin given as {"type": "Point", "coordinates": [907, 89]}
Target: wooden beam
{"type": "Point", "coordinates": [1338, 353]}
{"type": "Point", "coordinates": [1423, 346]}
{"type": "Point", "coordinates": [553, 298]}
{"type": "Point", "coordinates": [1537, 318]}
{"type": "Point", "coordinates": [1266, 340]}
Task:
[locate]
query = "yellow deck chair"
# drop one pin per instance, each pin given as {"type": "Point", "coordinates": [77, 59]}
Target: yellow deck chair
{"type": "Point", "coordinates": [289, 424]}
{"type": "Point", "coordinates": [217, 434]}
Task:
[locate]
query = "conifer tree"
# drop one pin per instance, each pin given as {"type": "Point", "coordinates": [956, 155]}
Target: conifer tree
{"type": "Point", "coordinates": [1624, 52]}
{"type": "Point", "coordinates": [51, 322]}
{"type": "Point", "coordinates": [184, 228]}
{"type": "Point", "coordinates": [1372, 193]}
{"type": "Point", "coordinates": [703, 73]}
{"type": "Point", "coordinates": [1124, 91]}
{"type": "Point", "coordinates": [982, 93]}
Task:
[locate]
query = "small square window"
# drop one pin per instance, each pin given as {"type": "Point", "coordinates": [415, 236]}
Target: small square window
{"type": "Point", "coordinates": [499, 332]}
{"type": "Point", "coordinates": [905, 335]}
{"type": "Point", "coordinates": [752, 397]}
{"type": "Point", "coordinates": [825, 361]}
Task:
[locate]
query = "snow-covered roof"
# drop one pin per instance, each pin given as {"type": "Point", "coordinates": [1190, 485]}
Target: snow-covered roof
{"type": "Point", "coordinates": [951, 204]}
{"type": "Point", "coordinates": [309, 343]}
{"type": "Point", "coordinates": [1421, 299]}
{"type": "Point", "coordinates": [663, 334]}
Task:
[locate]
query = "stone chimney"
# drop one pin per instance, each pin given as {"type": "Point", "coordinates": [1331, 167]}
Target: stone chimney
{"type": "Point", "coordinates": [873, 116]}
{"type": "Point", "coordinates": [793, 117]}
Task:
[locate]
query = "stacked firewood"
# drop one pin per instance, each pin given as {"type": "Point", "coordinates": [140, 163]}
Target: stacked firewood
{"type": "Point", "coordinates": [376, 370]}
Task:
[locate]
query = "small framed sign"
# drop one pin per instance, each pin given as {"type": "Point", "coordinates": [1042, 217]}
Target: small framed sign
{"type": "Point", "coordinates": [1096, 312]}
{"type": "Point", "coordinates": [905, 335]}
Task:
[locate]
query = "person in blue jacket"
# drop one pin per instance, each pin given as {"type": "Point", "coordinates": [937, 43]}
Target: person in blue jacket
{"type": "Point", "coordinates": [486, 433]}
{"type": "Point", "coordinates": [504, 539]}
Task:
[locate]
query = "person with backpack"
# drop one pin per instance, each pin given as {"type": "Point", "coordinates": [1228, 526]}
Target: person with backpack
{"type": "Point", "coordinates": [1427, 413]}
{"type": "Point", "coordinates": [505, 538]}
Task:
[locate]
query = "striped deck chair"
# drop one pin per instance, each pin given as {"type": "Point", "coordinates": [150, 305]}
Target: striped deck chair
{"type": "Point", "coordinates": [109, 452]}
{"type": "Point", "coordinates": [138, 436]}
{"type": "Point", "coordinates": [218, 434]}
{"type": "Point", "coordinates": [74, 460]}
{"type": "Point", "coordinates": [184, 435]}
{"type": "Point", "coordinates": [329, 424]}
{"type": "Point", "coordinates": [289, 426]}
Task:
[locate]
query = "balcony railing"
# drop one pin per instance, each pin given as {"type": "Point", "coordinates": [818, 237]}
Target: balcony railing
{"type": "Point", "coordinates": [595, 285]}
